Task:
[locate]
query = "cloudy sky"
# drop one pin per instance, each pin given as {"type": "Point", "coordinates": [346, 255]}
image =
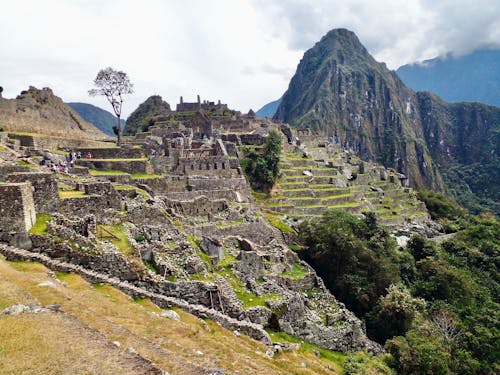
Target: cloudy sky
{"type": "Point", "coordinates": [243, 52]}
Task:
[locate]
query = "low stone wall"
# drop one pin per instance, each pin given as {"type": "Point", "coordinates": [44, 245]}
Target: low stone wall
{"type": "Point", "coordinates": [55, 143]}
{"type": "Point", "coordinates": [87, 204]}
{"type": "Point", "coordinates": [112, 153]}
{"type": "Point", "coordinates": [199, 206]}
{"type": "Point", "coordinates": [260, 233]}
{"type": "Point", "coordinates": [252, 139]}
{"type": "Point", "coordinates": [129, 166]}
{"type": "Point", "coordinates": [225, 194]}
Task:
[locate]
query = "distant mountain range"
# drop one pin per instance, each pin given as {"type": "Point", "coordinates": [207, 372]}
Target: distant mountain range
{"type": "Point", "coordinates": [340, 91]}
{"type": "Point", "coordinates": [269, 109]}
{"type": "Point", "coordinates": [103, 120]}
{"type": "Point", "coordinates": [471, 78]}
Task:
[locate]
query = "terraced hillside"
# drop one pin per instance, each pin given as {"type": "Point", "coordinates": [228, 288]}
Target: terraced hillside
{"type": "Point", "coordinates": [314, 179]}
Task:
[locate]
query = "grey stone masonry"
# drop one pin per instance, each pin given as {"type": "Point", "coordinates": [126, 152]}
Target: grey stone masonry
{"type": "Point", "coordinates": [17, 207]}
{"type": "Point", "coordinates": [45, 195]}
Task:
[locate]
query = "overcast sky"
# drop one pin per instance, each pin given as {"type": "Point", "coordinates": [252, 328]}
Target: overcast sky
{"type": "Point", "coordinates": [243, 52]}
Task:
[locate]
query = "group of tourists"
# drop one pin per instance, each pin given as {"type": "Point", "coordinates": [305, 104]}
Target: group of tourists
{"type": "Point", "coordinates": [64, 166]}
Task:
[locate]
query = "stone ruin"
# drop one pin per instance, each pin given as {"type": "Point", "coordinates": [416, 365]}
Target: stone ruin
{"type": "Point", "coordinates": [197, 206]}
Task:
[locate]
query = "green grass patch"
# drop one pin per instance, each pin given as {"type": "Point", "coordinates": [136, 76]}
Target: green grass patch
{"type": "Point", "coordinates": [336, 196]}
{"type": "Point", "coordinates": [116, 235]}
{"type": "Point", "coordinates": [65, 194]}
{"type": "Point", "coordinates": [339, 206]}
{"type": "Point", "coordinates": [40, 226]}
{"type": "Point", "coordinates": [336, 359]}
{"type": "Point", "coordinates": [298, 272]}
{"type": "Point", "coordinates": [145, 175]}
{"type": "Point", "coordinates": [24, 163]}
{"type": "Point", "coordinates": [106, 172]}
{"type": "Point", "coordinates": [118, 159]}
{"type": "Point", "coordinates": [275, 221]}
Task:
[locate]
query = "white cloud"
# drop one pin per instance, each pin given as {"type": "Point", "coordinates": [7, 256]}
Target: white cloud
{"type": "Point", "coordinates": [240, 51]}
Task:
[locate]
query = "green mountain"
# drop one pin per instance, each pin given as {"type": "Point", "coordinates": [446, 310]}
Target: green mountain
{"type": "Point", "coordinates": [103, 120]}
{"type": "Point", "coordinates": [474, 77]}
{"type": "Point", "coordinates": [341, 91]}
{"type": "Point", "coordinates": [139, 119]}
{"type": "Point", "coordinates": [269, 110]}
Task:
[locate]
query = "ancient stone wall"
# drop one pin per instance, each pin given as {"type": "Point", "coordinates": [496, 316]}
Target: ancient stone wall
{"type": "Point", "coordinates": [17, 207]}
{"type": "Point", "coordinates": [46, 194]}
{"type": "Point", "coordinates": [55, 143]}
{"type": "Point", "coordinates": [252, 139]}
{"type": "Point", "coordinates": [129, 166]}
{"type": "Point", "coordinates": [112, 153]}
{"type": "Point", "coordinates": [198, 206]}
{"type": "Point", "coordinates": [101, 196]}
{"type": "Point", "coordinates": [225, 194]}
{"type": "Point", "coordinates": [211, 166]}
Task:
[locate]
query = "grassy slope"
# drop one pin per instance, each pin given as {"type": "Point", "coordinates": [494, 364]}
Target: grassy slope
{"type": "Point", "coordinates": [80, 339]}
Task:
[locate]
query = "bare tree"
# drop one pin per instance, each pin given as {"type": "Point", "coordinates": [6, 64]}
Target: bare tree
{"type": "Point", "coordinates": [447, 327]}
{"type": "Point", "coordinates": [113, 84]}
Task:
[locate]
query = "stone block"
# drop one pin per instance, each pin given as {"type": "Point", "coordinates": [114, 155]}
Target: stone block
{"type": "Point", "coordinates": [17, 207]}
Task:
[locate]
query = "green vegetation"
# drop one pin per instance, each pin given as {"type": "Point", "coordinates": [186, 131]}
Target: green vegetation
{"type": "Point", "coordinates": [298, 272]}
{"type": "Point", "coordinates": [116, 235]}
{"type": "Point", "coordinates": [144, 175]}
{"type": "Point", "coordinates": [357, 259]}
{"type": "Point", "coordinates": [335, 359]}
{"type": "Point", "coordinates": [275, 221]}
{"type": "Point", "coordinates": [362, 363]}
{"type": "Point", "coordinates": [40, 226]}
{"type": "Point", "coordinates": [65, 194]}
{"type": "Point", "coordinates": [436, 306]}
{"type": "Point", "coordinates": [106, 172]}
{"type": "Point", "coordinates": [262, 167]}
{"type": "Point", "coordinates": [24, 163]}
{"type": "Point", "coordinates": [143, 117]}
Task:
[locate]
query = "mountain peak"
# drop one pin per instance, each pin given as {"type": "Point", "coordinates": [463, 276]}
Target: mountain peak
{"type": "Point", "coordinates": [341, 41]}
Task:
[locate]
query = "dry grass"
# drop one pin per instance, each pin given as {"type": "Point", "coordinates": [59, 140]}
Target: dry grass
{"type": "Point", "coordinates": [78, 340]}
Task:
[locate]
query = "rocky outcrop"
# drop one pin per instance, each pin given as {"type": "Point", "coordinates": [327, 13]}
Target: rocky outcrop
{"type": "Point", "coordinates": [40, 111]}
{"type": "Point", "coordinates": [139, 120]}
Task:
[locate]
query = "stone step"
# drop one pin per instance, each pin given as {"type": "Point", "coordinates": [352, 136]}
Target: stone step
{"type": "Point", "coordinates": [293, 185]}
{"type": "Point", "coordinates": [332, 191]}
{"type": "Point", "coordinates": [290, 193]}
{"type": "Point", "coordinates": [301, 162]}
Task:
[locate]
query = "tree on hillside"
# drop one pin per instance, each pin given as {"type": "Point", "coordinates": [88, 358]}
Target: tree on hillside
{"type": "Point", "coordinates": [262, 167]}
{"type": "Point", "coordinates": [113, 84]}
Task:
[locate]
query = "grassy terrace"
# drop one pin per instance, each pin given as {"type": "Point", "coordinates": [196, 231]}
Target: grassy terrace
{"type": "Point", "coordinates": [68, 194]}
{"type": "Point", "coordinates": [145, 175]}
{"type": "Point", "coordinates": [117, 159]}
{"type": "Point", "coordinates": [116, 235]}
{"type": "Point", "coordinates": [106, 172]}
{"type": "Point", "coordinates": [40, 226]}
